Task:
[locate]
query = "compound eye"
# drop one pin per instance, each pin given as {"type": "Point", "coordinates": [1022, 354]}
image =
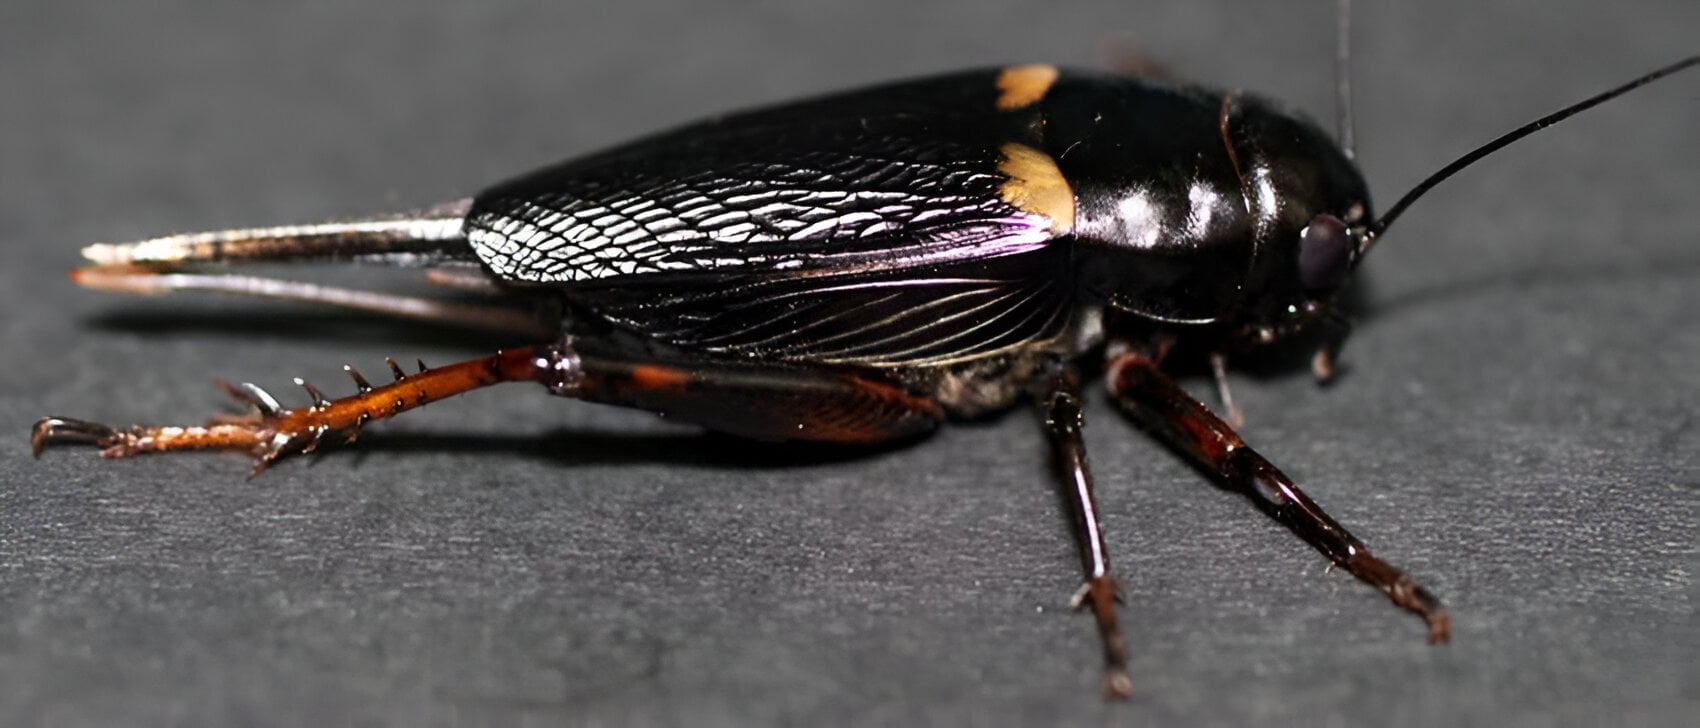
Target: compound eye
{"type": "Point", "coordinates": [1325, 254]}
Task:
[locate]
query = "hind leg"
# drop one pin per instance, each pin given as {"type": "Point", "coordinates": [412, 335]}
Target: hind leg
{"type": "Point", "coordinates": [764, 401]}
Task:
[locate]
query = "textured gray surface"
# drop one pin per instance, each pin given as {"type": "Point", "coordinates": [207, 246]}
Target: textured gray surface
{"type": "Point", "coordinates": [1517, 427]}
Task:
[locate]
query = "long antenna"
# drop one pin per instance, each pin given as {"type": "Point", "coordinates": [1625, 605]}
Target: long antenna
{"type": "Point", "coordinates": [1379, 226]}
{"type": "Point", "coordinates": [1343, 78]}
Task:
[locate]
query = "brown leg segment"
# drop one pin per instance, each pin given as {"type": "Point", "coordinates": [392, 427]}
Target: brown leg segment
{"type": "Point", "coordinates": [1143, 389]}
{"type": "Point", "coordinates": [761, 400]}
{"type": "Point", "coordinates": [1064, 417]}
{"type": "Point", "coordinates": [773, 402]}
{"type": "Point", "coordinates": [272, 433]}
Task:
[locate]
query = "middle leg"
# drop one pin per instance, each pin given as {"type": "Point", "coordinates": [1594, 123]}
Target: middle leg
{"type": "Point", "coordinates": [1060, 403]}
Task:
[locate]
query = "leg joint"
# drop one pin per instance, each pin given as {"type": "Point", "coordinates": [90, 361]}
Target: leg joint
{"type": "Point", "coordinates": [559, 367]}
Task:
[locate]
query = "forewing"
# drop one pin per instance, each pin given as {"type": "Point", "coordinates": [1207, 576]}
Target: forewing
{"type": "Point", "coordinates": [855, 227]}
{"type": "Point", "coordinates": [931, 315]}
{"type": "Point", "coordinates": [900, 175]}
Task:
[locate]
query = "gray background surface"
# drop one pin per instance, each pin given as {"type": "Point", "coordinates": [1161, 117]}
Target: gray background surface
{"type": "Point", "coordinates": [1517, 427]}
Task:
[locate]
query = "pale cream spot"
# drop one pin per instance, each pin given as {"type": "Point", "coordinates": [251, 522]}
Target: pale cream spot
{"type": "Point", "coordinates": [1037, 186]}
{"type": "Point", "coordinates": [1020, 86]}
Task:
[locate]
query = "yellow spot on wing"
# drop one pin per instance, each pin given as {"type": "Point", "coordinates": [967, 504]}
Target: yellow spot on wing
{"type": "Point", "coordinates": [1037, 186]}
{"type": "Point", "coordinates": [1019, 86]}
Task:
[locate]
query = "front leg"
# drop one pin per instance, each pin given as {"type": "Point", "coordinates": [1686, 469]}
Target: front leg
{"type": "Point", "coordinates": [1139, 384]}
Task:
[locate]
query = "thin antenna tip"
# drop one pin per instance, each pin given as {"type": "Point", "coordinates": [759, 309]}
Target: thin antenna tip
{"type": "Point", "coordinates": [1428, 183]}
{"type": "Point", "coordinates": [1344, 126]}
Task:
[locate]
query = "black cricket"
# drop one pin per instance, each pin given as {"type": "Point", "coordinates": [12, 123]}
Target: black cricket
{"type": "Point", "coordinates": [862, 267]}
